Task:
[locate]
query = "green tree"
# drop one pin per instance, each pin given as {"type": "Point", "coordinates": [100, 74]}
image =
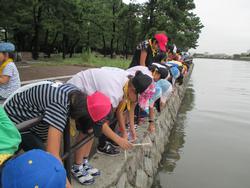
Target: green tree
{"type": "Point", "coordinates": [109, 27]}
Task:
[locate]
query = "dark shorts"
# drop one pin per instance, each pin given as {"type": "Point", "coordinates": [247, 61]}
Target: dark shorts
{"type": "Point", "coordinates": [84, 124]}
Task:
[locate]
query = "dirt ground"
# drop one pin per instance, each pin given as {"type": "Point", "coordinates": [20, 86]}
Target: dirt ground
{"type": "Point", "coordinates": [32, 72]}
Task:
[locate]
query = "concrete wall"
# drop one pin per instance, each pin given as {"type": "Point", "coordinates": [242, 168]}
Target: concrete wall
{"type": "Point", "coordinates": [141, 164]}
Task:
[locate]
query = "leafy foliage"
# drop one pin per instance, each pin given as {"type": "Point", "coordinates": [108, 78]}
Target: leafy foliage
{"type": "Point", "coordinates": [110, 27]}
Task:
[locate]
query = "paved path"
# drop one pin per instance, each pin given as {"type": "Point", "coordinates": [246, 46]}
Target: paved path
{"type": "Point", "coordinates": [62, 78]}
{"type": "Point", "coordinates": [35, 72]}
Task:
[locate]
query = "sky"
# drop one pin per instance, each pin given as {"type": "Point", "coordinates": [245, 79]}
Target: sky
{"type": "Point", "coordinates": [227, 25]}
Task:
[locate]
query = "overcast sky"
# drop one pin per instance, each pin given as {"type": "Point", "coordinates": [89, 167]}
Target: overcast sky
{"type": "Point", "coordinates": [227, 25]}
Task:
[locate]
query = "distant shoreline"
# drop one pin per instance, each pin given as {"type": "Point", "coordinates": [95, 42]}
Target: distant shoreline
{"type": "Point", "coordinates": [240, 59]}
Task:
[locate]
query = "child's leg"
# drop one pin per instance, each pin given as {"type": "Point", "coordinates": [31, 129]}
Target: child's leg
{"type": "Point", "coordinates": [103, 139]}
{"type": "Point", "coordinates": [81, 164]}
{"type": "Point", "coordinates": [83, 152]}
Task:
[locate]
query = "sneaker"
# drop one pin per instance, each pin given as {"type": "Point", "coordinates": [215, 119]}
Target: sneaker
{"type": "Point", "coordinates": [82, 175]}
{"type": "Point", "coordinates": [108, 149]}
{"type": "Point", "coordinates": [91, 170]}
{"type": "Point", "coordinates": [115, 145]}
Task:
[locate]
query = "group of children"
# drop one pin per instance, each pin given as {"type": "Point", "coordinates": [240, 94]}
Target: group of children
{"type": "Point", "coordinates": [108, 102]}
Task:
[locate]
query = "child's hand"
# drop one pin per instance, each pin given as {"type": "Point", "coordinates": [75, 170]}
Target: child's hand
{"type": "Point", "coordinates": [68, 185]}
{"type": "Point", "coordinates": [134, 135]}
{"type": "Point", "coordinates": [151, 127]}
{"type": "Point", "coordinates": [125, 135]}
{"type": "Point", "coordinates": [124, 144]}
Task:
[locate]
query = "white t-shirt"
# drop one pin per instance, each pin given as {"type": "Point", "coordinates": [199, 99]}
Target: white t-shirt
{"type": "Point", "coordinates": [14, 83]}
{"type": "Point", "coordinates": [143, 69]}
{"type": "Point", "coordinates": [109, 81]}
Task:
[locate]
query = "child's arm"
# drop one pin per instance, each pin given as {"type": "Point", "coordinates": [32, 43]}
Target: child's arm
{"type": "Point", "coordinates": [122, 142]}
{"type": "Point", "coordinates": [143, 58]}
{"type": "Point", "coordinates": [54, 144]}
{"type": "Point", "coordinates": [132, 121]}
{"type": "Point", "coordinates": [4, 79]}
{"type": "Point", "coordinates": [121, 120]}
{"type": "Point", "coordinates": [151, 127]}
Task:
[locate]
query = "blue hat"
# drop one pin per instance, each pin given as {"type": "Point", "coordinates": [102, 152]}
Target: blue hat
{"type": "Point", "coordinates": [175, 72]}
{"type": "Point", "coordinates": [7, 47]}
{"type": "Point", "coordinates": [162, 87]}
{"type": "Point", "coordinates": [36, 169]}
{"type": "Point", "coordinates": [166, 88]}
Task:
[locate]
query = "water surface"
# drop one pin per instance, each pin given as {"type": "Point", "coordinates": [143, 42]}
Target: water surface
{"type": "Point", "coordinates": [210, 143]}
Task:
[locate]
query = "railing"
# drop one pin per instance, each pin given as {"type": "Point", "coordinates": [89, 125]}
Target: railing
{"type": "Point", "coordinates": [67, 149]}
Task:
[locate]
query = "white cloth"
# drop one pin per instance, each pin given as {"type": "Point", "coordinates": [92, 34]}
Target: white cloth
{"type": "Point", "coordinates": [109, 81]}
{"type": "Point", "coordinates": [143, 69]}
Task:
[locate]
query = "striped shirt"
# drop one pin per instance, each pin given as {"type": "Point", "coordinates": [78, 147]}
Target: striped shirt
{"type": "Point", "coordinates": [46, 99]}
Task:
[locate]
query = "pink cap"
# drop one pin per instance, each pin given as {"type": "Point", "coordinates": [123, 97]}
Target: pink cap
{"type": "Point", "coordinates": [98, 105]}
{"type": "Point", "coordinates": [162, 40]}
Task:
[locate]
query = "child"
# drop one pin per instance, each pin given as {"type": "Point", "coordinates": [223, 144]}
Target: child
{"type": "Point", "coordinates": [147, 50]}
{"type": "Point", "coordinates": [123, 91]}
{"type": "Point", "coordinates": [9, 76]}
{"type": "Point", "coordinates": [163, 92]}
{"type": "Point", "coordinates": [10, 137]}
{"type": "Point", "coordinates": [34, 168]}
{"type": "Point", "coordinates": [56, 102]}
{"type": "Point", "coordinates": [156, 71]}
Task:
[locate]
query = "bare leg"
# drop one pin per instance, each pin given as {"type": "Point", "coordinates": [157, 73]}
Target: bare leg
{"type": "Point", "coordinates": [84, 150]}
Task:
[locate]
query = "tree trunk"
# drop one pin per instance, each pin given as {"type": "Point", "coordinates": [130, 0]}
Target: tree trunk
{"type": "Point", "coordinates": [152, 5]}
{"type": "Point", "coordinates": [125, 47]}
{"type": "Point", "coordinates": [113, 33]}
{"type": "Point", "coordinates": [6, 35]}
{"type": "Point", "coordinates": [104, 45]}
{"type": "Point", "coordinates": [64, 46]}
{"type": "Point", "coordinates": [73, 47]}
{"type": "Point", "coordinates": [45, 42]}
{"type": "Point", "coordinates": [37, 21]}
{"type": "Point", "coordinates": [88, 40]}
{"type": "Point", "coordinates": [51, 46]}
{"type": "Point", "coordinates": [117, 46]}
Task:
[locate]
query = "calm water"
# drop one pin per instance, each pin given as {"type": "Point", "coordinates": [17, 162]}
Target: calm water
{"type": "Point", "coordinates": [210, 143]}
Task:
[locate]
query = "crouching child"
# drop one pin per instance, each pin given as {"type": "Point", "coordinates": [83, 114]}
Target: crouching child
{"type": "Point", "coordinates": [56, 103]}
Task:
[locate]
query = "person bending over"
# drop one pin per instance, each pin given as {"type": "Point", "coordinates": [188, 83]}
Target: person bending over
{"type": "Point", "coordinates": [56, 103]}
{"type": "Point", "coordinates": [122, 89]}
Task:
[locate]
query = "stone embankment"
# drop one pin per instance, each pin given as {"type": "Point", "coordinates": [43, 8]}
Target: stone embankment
{"type": "Point", "coordinates": [140, 166]}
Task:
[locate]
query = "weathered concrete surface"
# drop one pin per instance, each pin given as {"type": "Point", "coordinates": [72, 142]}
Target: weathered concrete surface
{"type": "Point", "coordinates": [142, 162]}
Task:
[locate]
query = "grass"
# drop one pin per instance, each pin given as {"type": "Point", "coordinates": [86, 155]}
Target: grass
{"type": "Point", "coordinates": [87, 60]}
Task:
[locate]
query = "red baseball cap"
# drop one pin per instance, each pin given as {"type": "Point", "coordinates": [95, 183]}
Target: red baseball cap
{"type": "Point", "coordinates": [162, 40]}
{"type": "Point", "coordinates": [99, 106]}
